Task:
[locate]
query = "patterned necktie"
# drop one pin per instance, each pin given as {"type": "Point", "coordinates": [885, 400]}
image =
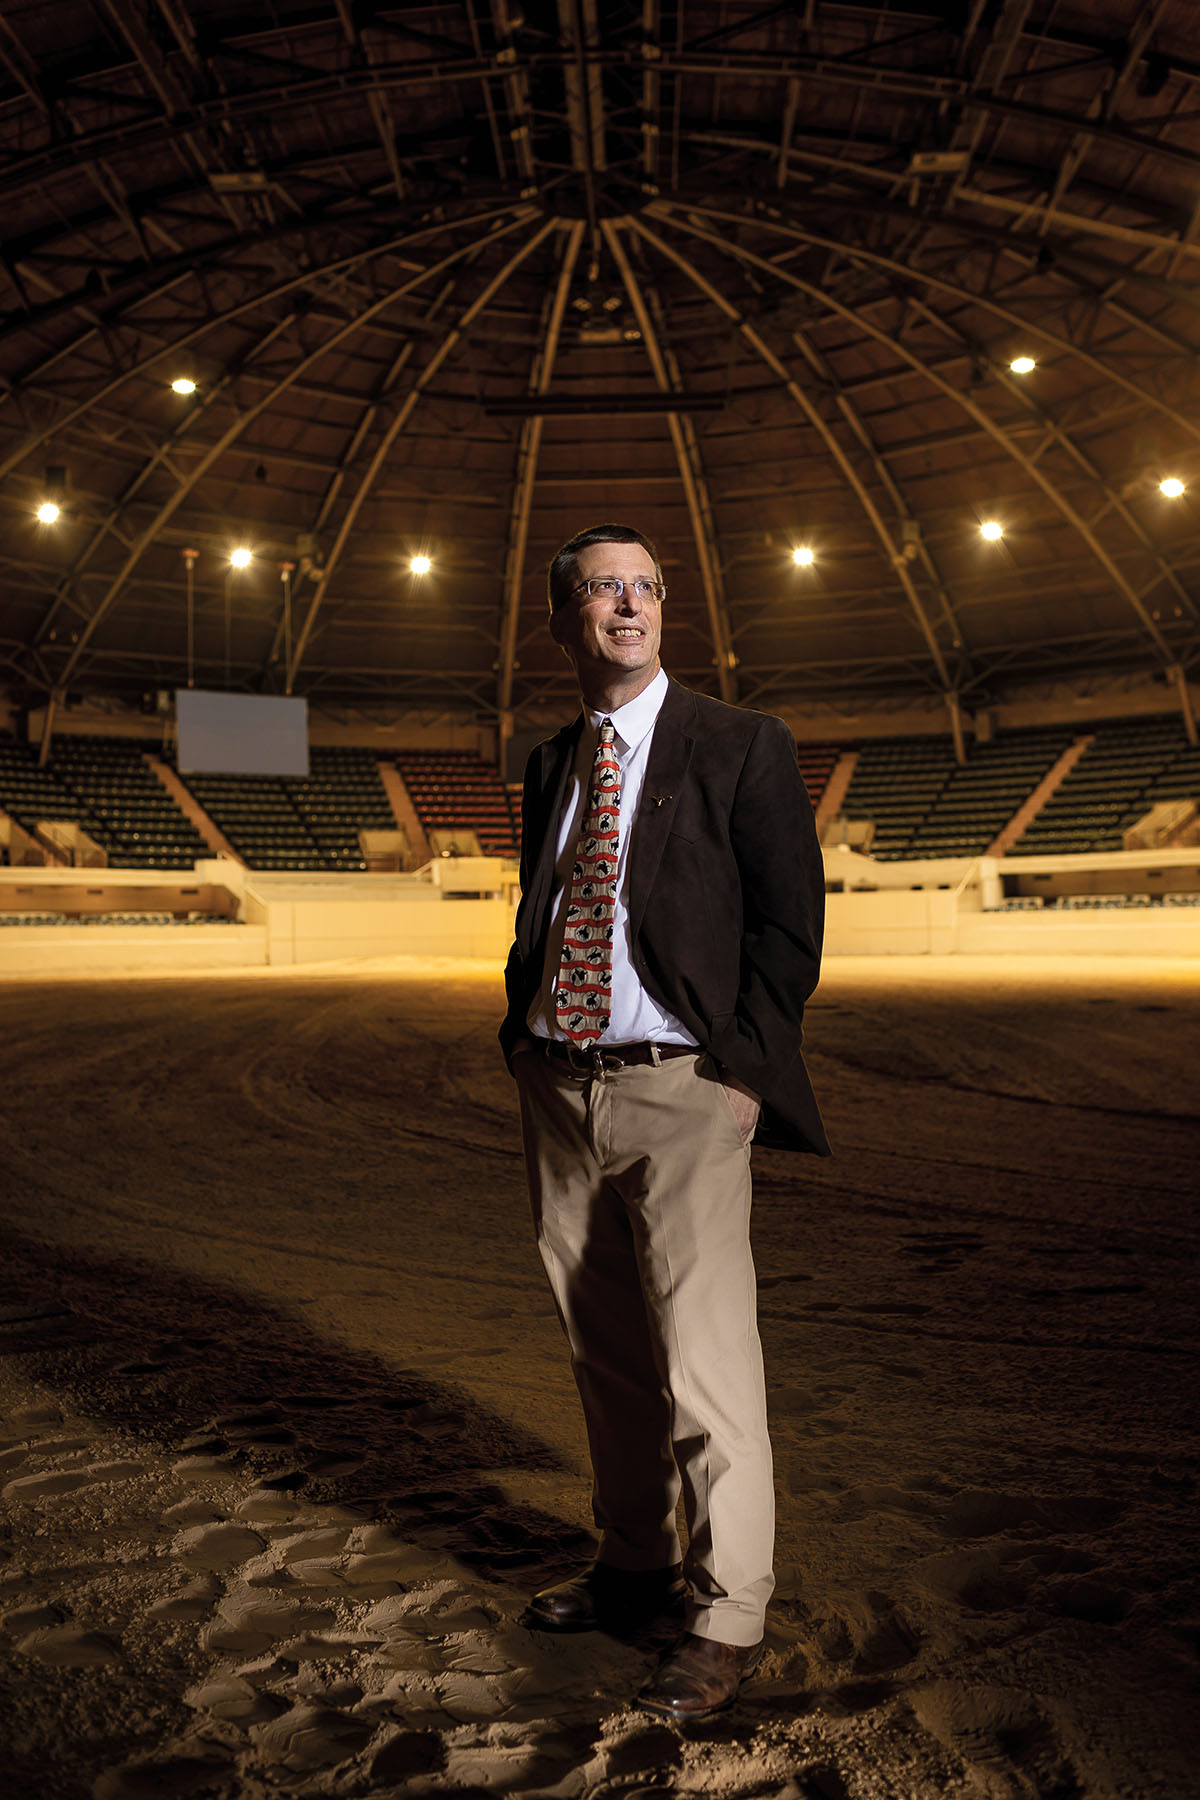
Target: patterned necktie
{"type": "Point", "coordinates": [583, 992]}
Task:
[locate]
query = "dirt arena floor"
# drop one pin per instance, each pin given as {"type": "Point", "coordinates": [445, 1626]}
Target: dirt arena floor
{"type": "Point", "coordinates": [287, 1432]}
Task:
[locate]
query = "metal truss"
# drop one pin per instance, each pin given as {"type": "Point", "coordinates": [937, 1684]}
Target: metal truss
{"type": "Point", "coordinates": [691, 472]}
{"type": "Point", "coordinates": [982, 419]}
{"type": "Point", "coordinates": [236, 187]}
{"type": "Point", "coordinates": [404, 412]}
{"type": "Point", "coordinates": [526, 474]}
{"type": "Point", "coordinates": [167, 511]}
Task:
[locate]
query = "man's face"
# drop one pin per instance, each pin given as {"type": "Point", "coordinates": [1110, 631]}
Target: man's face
{"type": "Point", "coordinates": [611, 639]}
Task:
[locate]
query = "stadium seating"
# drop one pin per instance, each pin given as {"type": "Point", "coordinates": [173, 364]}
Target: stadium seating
{"type": "Point", "coordinates": [1123, 771]}
{"type": "Point", "coordinates": [287, 822]}
{"type": "Point", "coordinates": [106, 786]}
{"type": "Point", "coordinates": [456, 790]}
{"type": "Point", "coordinates": [896, 782]}
{"type": "Point", "coordinates": [981, 796]}
{"type": "Point", "coordinates": [817, 763]}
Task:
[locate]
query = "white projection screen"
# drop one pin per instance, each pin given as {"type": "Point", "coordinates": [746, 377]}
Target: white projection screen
{"type": "Point", "coordinates": [240, 734]}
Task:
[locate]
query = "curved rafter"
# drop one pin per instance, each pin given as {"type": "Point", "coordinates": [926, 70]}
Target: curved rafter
{"type": "Point", "coordinates": [111, 523]}
{"type": "Point", "coordinates": [528, 451]}
{"type": "Point", "coordinates": [909, 523]}
{"type": "Point", "coordinates": [403, 414]}
{"type": "Point", "coordinates": [912, 273]}
{"type": "Point", "coordinates": [981, 418]}
{"type": "Point", "coordinates": [168, 510]}
{"type": "Point", "coordinates": [892, 550]}
{"type": "Point", "coordinates": [340, 265]}
{"type": "Point", "coordinates": [691, 476]}
{"type": "Point", "coordinates": [893, 198]}
{"type": "Point", "coordinates": [1058, 433]}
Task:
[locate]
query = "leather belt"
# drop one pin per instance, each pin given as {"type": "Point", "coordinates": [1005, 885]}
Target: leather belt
{"type": "Point", "coordinates": [606, 1058]}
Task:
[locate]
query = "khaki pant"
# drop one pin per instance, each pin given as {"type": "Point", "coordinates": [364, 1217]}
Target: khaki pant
{"type": "Point", "coordinates": [640, 1186]}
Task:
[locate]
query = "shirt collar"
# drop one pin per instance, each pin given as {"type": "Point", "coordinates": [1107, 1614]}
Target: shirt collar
{"type": "Point", "coordinates": [636, 719]}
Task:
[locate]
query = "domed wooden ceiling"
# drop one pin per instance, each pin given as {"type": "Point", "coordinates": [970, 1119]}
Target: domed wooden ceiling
{"type": "Point", "coordinates": [456, 280]}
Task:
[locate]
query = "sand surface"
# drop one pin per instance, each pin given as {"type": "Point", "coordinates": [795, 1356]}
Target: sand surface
{"type": "Point", "coordinates": [287, 1432]}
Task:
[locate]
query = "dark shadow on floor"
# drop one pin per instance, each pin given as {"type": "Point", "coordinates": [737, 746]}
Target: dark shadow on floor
{"type": "Point", "coordinates": [203, 1369]}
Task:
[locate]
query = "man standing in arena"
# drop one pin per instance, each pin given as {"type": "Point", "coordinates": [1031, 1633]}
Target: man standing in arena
{"type": "Point", "coordinates": [667, 939]}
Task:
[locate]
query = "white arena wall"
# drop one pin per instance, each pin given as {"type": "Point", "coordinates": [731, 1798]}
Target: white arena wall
{"type": "Point", "coordinates": [463, 907]}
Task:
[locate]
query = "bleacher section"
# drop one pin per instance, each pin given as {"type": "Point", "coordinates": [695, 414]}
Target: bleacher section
{"type": "Point", "coordinates": [17, 919]}
{"type": "Point", "coordinates": [106, 786]}
{"type": "Point", "coordinates": [29, 793]}
{"type": "Point", "coordinates": [284, 822]}
{"type": "Point", "coordinates": [817, 763]}
{"type": "Point", "coordinates": [896, 782]}
{"type": "Point", "coordinates": [456, 790]}
{"type": "Point", "coordinates": [515, 790]}
{"type": "Point", "coordinates": [921, 801]}
{"type": "Point", "coordinates": [982, 795]}
{"type": "Point", "coordinates": [1123, 771]}
{"type": "Point", "coordinates": [1180, 780]}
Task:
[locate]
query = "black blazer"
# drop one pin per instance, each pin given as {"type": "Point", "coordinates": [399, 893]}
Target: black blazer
{"type": "Point", "coordinates": [726, 895]}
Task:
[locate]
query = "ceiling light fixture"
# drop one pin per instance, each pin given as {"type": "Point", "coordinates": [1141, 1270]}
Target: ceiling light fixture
{"type": "Point", "coordinates": [241, 558]}
{"type": "Point", "coordinates": [47, 512]}
{"type": "Point", "coordinates": [420, 565]}
{"type": "Point", "coordinates": [991, 530]}
{"type": "Point", "coordinates": [1172, 487]}
{"type": "Point", "coordinates": [183, 384]}
{"type": "Point", "coordinates": [1022, 365]}
{"type": "Point", "coordinates": [802, 555]}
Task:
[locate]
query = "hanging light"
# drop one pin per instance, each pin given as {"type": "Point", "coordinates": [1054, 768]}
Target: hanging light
{"type": "Point", "coordinates": [991, 530]}
{"type": "Point", "coordinates": [802, 556]}
{"type": "Point", "coordinates": [1022, 365]}
{"type": "Point", "coordinates": [183, 384]}
{"type": "Point", "coordinates": [47, 512]}
{"type": "Point", "coordinates": [1171, 486]}
{"type": "Point", "coordinates": [241, 558]}
{"type": "Point", "coordinates": [420, 565]}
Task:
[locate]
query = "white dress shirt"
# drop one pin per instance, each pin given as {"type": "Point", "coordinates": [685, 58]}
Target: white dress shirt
{"type": "Point", "coordinates": [634, 1017]}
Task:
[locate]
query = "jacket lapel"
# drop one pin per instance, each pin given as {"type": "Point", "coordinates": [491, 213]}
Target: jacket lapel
{"type": "Point", "coordinates": [670, 753]}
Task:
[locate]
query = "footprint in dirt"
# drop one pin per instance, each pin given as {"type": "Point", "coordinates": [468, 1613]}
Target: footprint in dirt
{"type": "Point", "coordinates": [984, 1512]}
{"type": "Point", "coordinates": [1009, 1739]}
{"type": "Point", "coordinates": [867, 1632]}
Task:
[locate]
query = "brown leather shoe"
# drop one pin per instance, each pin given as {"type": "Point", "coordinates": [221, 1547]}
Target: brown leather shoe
{"type": "Point", "coordinates": [698, 1678]}
{"type": "Point", "coordinates": [604, 1598]}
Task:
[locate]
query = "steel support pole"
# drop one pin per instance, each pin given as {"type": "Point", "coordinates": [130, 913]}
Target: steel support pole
{"type": "Point", "coordinates": [189, 562]}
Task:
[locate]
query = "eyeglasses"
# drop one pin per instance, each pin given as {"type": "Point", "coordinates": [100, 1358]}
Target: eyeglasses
{"type": "Point", "coordinates": [611, 587]}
